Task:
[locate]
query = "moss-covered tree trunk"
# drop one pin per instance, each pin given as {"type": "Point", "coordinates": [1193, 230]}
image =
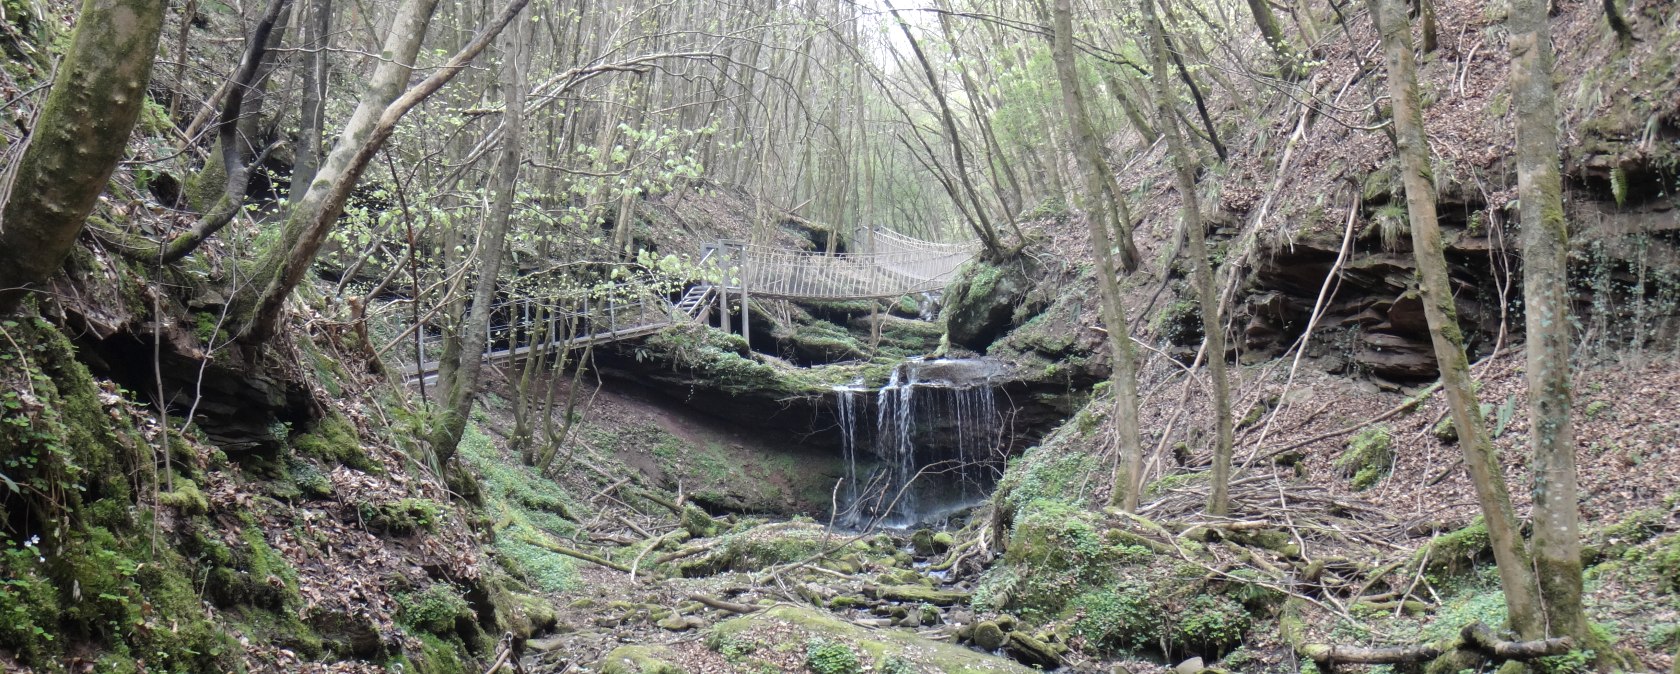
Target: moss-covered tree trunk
{"type": "Point", "coordinates": [1480, 457]}
{"type": "Point", "coordinates": [461, 388]}
{"type": "Point", "coordinates": [1213, 325]}
{"type": "Point", "coordinates": [1101, 203]}
{"type": "Point", "coordinates": [1545, 245]}
{"type": "Point", "coordinates": [81, 134]}
{"type": "Point", "coordinates": [1289, 61]}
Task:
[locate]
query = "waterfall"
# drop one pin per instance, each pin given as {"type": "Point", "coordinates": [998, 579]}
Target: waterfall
{"type": "Point", "coordinates": [937, 436]}
{"type": "Point", "coordinates": [845, 402]}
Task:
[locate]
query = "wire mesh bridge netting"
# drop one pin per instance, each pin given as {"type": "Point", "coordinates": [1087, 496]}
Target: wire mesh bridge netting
{"type": "Point", "coordinates": [893, 265]}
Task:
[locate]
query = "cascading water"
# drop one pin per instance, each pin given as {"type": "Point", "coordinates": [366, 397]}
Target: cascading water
{"type": "Point", "coordinates": [937, 435]}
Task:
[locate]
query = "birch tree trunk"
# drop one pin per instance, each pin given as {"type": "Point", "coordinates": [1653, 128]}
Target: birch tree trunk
{"type": "Point", "coordinates": [1480, 457]}
{"type": "Point", "coordinates": [81, 134]}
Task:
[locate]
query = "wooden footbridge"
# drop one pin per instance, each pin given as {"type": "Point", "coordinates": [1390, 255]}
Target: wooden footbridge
{"type": "Point", "coordinates": [894, 265]}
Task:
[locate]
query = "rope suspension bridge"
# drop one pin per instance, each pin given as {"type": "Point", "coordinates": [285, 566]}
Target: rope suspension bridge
{"type": "Point", "coordinates": [894, 265]}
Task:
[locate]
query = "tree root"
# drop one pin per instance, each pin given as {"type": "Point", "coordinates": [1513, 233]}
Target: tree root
{"type": "Point", "coordinates": [1475, 639]}
{"type": "Point", "coordinates": [579, 554]}
{"type": "Point", "coordinates": [730, 606]}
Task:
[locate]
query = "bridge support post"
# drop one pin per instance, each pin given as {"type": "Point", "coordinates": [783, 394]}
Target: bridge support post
{"type": "Point", "coordinates": [746, 307]}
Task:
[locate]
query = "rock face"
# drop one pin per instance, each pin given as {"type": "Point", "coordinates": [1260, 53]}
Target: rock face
{"type": "Point", "coordinates": [1374, 322]}
{"type": "Point", "coordinates": [984, 302]}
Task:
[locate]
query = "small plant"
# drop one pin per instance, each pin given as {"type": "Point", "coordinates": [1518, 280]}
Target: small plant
{"type": "Point", "coordinates": [732, 647]}
{"type": "Point", "coordinates": [433, 609]}
{"type": "Point", "coordinates": [831, 657]}
{"type": "Point", "coordinates": [1121, 617]}
{"type": "Point", "coordinates": [1369, 457]}
{"type": "Point", "coordinates": [1211, 624]}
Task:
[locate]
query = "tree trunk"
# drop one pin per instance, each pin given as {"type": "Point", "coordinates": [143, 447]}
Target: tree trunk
{"type": "Point", "coordinates": [1480, 457]}
{"type": "Point", "coordinates": [317, 26]}
{"type": "Point", "coordinates": [81, 134]}
{"type": "Point", "coordinates": [1289, 61]}
{"type": "Point", "coordinates": [1213, 326]}
{"type": "Point", "coordinates": [251, 133]}
{"type": "Point", "coordinates": [461, 389]}
{"type": "Point", "coordinates": [1545, 245]}
{"type": "Point", "coordinates": [1100, 208]}
{"type": "Point", "coordinates": [285, 262]}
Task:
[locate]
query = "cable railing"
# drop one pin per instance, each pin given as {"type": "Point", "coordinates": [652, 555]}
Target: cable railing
{"type": "Point", "coordinates": [895, 265]}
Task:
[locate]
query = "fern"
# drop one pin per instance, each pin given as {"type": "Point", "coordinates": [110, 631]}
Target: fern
{"type": "Point", "coordinates": [1505, 412]}
{"type": "Point", "coordinates": [1619, 185]}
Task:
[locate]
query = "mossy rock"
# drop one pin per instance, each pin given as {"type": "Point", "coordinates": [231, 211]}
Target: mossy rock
{"type": "Point", "coordinates": [434, 610]}
{"type": "Point", "coordinates": [916, 594]}
{"type": "Point", "coordinates": [697, 523]}
{"type": "Point", "coordinates": [1054, 547]}
{"type": "Point", "coordinates": [874, 649]}
{"type": "Point", "coordinates": [403, 517]}
{"type": "Point", "coordinates": [983, 302]}
{"type": "Point", "coordinates": [758, 548]}
{"type": "Point", "coordinates": [640, 660]}
{"type": "Point", "coordinates": [1459, 551]}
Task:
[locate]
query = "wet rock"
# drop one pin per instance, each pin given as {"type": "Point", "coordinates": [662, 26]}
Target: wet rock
{"type": "Point", "coordinates": [1035, 652]}
{"type": "Point", "coordinates": [989, 635]}
{"type": "Point", "coordinates": [680, 623]}
{"type": "Point", "coordinates": [915, 594]}
{"type": "Point", "coordinates": [922, 542]}
{"type": "Point", "coordinates": [943, 541]}
{"type": "Point", "coordinates": [547, 644]}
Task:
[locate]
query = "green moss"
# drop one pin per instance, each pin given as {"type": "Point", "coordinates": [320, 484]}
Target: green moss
{"type": "Point", "coordinates": [437, 656]}
{"type": "Point", "coordinates": [334, 440]}
{"type": "Point", "coordinates": [790, 628]}
{"type": "Point", "coordinates": [1369, 457]}
{"type": "Point", "coordinates": [542, 569]}
{"type": "Point", "coordinates": [697, 523]}
{"type": "Point", "coordinates": [433, 610]}
{"type": "Point", "coordinates": [1458, 551]}
{"type": "Point", "coordinates": [186, 497]}
{"type": "Point", "coordinates": [639, 660]}
{"type": "Point", "coordinates": [1210, 624]}
{"type": "Point", "coordinates": [1663, 560]}
{"type": "Point", "coordinates": [831, 657]}
{"type": "Point", "coordinates": [403, 516]}
{"type": "Point", "coordinates": [29, 605]}
{"type": "Point", "coordinates": [1122, 617]}
{"type": "Point", "coordinates": [757, 548]}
